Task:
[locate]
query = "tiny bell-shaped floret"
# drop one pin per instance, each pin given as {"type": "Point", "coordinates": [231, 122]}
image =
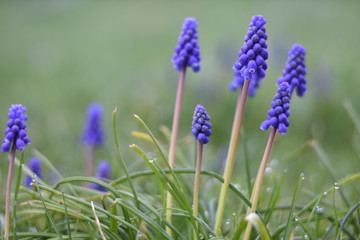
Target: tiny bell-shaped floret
{"type": "Point", "coordinates": [103, 173]}
{"type": "Point", "coordinates": [279, 112]}
{"type": "Point", "coordinates": [93, 133]}
{"type": "Point", "coordinates": [16, 132]}
{"type": "Point", "coordinates": [295, 70]}
{"type": "Point", "coordinates": [35, 166]}
{"type": "Point", "coordinates": [201, 127]}
{"type": "Point", "coordinates": [187, 51]}
{"type": "Point", "coordinates": [251, 65]}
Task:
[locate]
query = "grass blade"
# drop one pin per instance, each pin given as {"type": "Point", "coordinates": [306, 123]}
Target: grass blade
{"type": "Point", "coordinates": [290, 217]}
{"type": "Point", "coordinates": [259, 225]}
{"type": "Point", "coordinates": [122, 162]}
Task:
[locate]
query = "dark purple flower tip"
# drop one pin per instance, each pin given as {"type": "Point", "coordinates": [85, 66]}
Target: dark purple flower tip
{"type": "Point", "coordinates": [187, 51]}
{"type": "Point", "coordinates": [251, 65]}
{"type": "Point", "coordinates": [93, 133]}
{"type": "Point", "coordinates": [16, 131]}
{"type": "Point", "coordinates": [295, 70]}
{"type": "Point", "coordinates": [201, 127]}
{"type": "Point", "coordinates": [279, 112]}
{"type": "Point", "coordinates": [103, 173]}
{"type": "Point", "coordinates": [35, 167]}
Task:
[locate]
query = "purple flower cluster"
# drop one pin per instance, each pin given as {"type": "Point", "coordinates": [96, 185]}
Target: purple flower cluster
{"type": "Point", "coordinates": [16, 131]}
{"type": "Point", "coordinates": [35, 167]}
{"type": "Point", "coordinates": [187, 52]}
{"type": "Point", "coordinates": [201, 127]}
{"type": "Point", "coordinates": [279, 112]}
{"type": "Point", "coordinates": [295, 70]}
{"type": "Point", "coordinates": [103, 173]}
{"type": "Point", "coordinates": [251, 65]}
{"type": "Point", "coordinates": [93, 133]}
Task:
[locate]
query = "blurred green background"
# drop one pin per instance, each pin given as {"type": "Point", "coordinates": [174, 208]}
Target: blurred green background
{"type": "Point", "coordinates": [56, 57]}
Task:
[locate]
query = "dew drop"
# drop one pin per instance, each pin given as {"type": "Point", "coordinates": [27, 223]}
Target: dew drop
{"type": "Point", "coordinates": [319, 210]}
{"type": "Point", "coordinates": [336, 186]}
{"type": "Point", "coordinates": [227, 222]}
{"type": "Point", "coordinates": [302, 175]}
{"type": "Point", "coordinates": [268, 170]}
{"type": "Point", "coordinates": [325, 193]}
{"type": "Point", "coordinates": [269, 189]}
{"type": "Point", "coordinates": [233, 213]}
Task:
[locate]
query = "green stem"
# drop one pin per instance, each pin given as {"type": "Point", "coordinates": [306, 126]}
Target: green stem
{"type": "Point", "coordinates": [259, 179]}
{"type": "Point", "coordinates": [234, 139]}
{"type": "Point", "coordinates": [8, 192]}
{"type": "Point", "coordinates": [174, 132]}
{"type": "Point", "coordinates": [196, 187]}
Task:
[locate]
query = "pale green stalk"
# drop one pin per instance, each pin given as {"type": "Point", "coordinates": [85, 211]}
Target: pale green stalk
{"type": "Point", "coordinates": [196, 187]}
{"type": "Point", "coordinates": [234, 139]}
{"type": "Point", "coordinates": [259, 179]}
{"type": "Point", "coordinates": [8, 192]}
{"type": "Point", "coordinates": [174, 132]}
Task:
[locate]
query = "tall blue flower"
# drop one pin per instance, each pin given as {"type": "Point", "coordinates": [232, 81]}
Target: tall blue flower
{"type": "Point", "coordinates": [35, 167]}
{"type": "Point", "coordinates": [251, 64]}
{"type": "Point", "coordinates": [16, 131]}
{"type": "Point", "coordinates": [103, 173]}
{"type": "Point", "coordinates": [93, 133]}
{"type": "Point", "coordinates": [187, 51]}
{"type": "Point", "coordinates": [201, 127]}
{"type": "Point", "coordinates": [295, 70]}
{"type": "Point", "coordinates": [279, 112]}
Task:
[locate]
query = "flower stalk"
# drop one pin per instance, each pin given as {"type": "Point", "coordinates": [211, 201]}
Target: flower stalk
{"type": "Point", "coordinates": [186, 54]}
{"type": "Point", "coordinates": [196, 186]}
{"type": "Point", "coordinates": [255, 195]}
{"type": "Point", "coordinates": [234, 140]}
{"type": "Point", "coordinates": [8, 192]}
{"type": "Point", "coordinates": [174, 132]}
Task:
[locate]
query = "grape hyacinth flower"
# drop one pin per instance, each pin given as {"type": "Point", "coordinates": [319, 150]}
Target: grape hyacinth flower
{"type": "Point", "coordinates": [201, 129]}
{"type": "Point", "coordinates": [249, 70]}
{"type": "Point", "coordinates": [187, 52]}
{"type": "Point", "coordinates": [103, 173]}
{"type": "Point", "coordinates": [35, 166]}
{"type": "Point", "coordinates": [16, 132]}
{"type": "Point", "coordinates": [93, 135]}
{"type": "Point", "coordinates": [279, 112]}
{"type": "Point", "coordinates": [15, 138]}
{"type": "Point", "coordinates": [295, 70]}
{"type": "Point", "coordinates": [251, 64]}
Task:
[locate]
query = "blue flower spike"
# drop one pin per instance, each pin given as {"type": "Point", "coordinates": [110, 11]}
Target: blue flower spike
{"type": "Point", "coordinates": [35, 166]}
{"type": "Point", "coordinates": [16, 132]}
{"type": "Point", "coordinates": [103, 173]}
{"type": "Point", "coordinates": [251, 65]}
{"type": "Point", "coordinates": [187, 51]}
{"type": "Point", "coordinates": [201, 127]}
{"type": "Point", "coordinates": [295, 70]}
{"type": "Point", "coordinates": [93, 133]}
{"type": "Point", "coordinates": [279, 113]}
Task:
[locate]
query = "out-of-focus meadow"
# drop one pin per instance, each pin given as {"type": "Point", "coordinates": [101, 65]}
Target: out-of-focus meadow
{"type": "Point", "coordinates": [56, 57]}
